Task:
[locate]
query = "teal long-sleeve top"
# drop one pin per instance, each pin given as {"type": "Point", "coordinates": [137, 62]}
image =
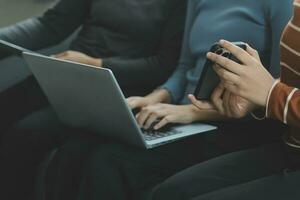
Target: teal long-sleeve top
{"type": "Point", "coordinates": [256, 22]}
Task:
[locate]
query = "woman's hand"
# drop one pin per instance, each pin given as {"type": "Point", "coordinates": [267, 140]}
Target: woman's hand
{"type": "Point", "coordinates": [249, 80]}
{"type": "Point", "coordinates": [78, 57]}
{"type": "Point", "coordinates": [157, 96]}
{"type": "Point", "coordinates": [167, 113]}
{"type": "Point", "coordinates": [226, 103]}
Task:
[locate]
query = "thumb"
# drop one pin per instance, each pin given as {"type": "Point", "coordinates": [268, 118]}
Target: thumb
{"type": "Point", "coordinates": [202, 105]}
{"type": "Point", "coordinates": [59, 55]}
{"type": "Point", "coordinates": [253, 52]}
{"type": "Point", "coordinates": [134, 102]}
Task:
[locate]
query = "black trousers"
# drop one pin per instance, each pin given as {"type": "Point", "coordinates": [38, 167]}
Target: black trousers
{"type": "Point", "coordinates": [28, 130]}
{"type": "Point", "coordinates": [118, 171]}
{"type": "Point", "coordinates": [261, 173]}
{"type": "Point", "coordinates": [110, 170]}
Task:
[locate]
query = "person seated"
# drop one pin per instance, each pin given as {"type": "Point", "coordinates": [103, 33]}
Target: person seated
{"type": "Point", "coordinates": [269, 171]}
{"type": "Point", "coordinates": [137, 40]}
{"type": "Point", "coordinates": [96, 170]}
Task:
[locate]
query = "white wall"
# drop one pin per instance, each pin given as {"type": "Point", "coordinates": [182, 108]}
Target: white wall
{"type": "Point", "coordinates": [12, 11]}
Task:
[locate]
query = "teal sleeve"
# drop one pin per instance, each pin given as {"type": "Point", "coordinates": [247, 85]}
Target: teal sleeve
{"type": "Point", "coordinates": [177, 82]}
{"type": "Point", "coordinates": [279, 15]}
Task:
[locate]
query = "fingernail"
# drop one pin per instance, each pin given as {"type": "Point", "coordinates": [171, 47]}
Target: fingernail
{"type": "Point", "coordinates": [222, 41]}
{"type": "Point", "coordinates": [209, 54]}
{"type": "Point", "coordinates": [155, 127]}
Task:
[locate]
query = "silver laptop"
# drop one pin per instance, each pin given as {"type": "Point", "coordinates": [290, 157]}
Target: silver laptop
{"type": "Point", "coordinates": [90, 98]}
{"type": "Point", "coordinates": [12, 49]}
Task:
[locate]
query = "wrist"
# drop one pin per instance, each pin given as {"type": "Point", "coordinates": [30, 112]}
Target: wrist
{"type": "Point", "coordinates": [160, 96]}
{"type": "Point", "coordinates": [207, 115]}
{"type": "Point", "coordinates": [268, 92]}
{"type": "Point", "coordinates": [96, 62]}
{"type": "Point", "coordinates": [276, 81]}
{"type": "Point", "coordinates": [259, 113]}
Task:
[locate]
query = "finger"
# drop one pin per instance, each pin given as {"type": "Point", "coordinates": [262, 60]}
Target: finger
{"type": "Point", "coordinates": [202, 105]}
{"type": "Point", "coordinates": [217, 99]}
{"type": "Point", "coordinates": [236, 108]}
{"type": "Point", "coordinates": [215, 68]}
{"type": "Point", "coordinates": [131, 103]}
{"type": "Point", "coordinates": [226, 75]}
{"type": "Point", "coordinates": [226, 103]}
{"type": "Point", "coordinates": [142, 117]}
{"type": "Point", "coordinates": [60, 54]}
{"type": "Point", "coordinates": [238, 52]}
{"type": "Point", "coordinates": [166, 120]}
{"type": "Point", "coordinates": [65, 57]}
{"type": "Point", "coordinates": [222, 81]}
{"type": "Point", "coordinates": [134, 103]}
{"type": "Point", "coordinates": [219, 106]}
{"type": "Point", "coordinates": [232, 88]}
{"type": "Point", "coordinates": [253, 52]}
{"type": "Point", "coordinates": [226, 63]}
{"type": "Point", "coordinates": [137, 115]}
{"type": "Point", "coordinates": [151, 119]}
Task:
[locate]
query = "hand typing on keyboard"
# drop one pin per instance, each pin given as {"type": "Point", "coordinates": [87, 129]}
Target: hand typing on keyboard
{"type": "Point", "coordinates": [152, 134]}
{"type": "Point", "coordinates": [159, 115]}
{"type": "Point", "coordinates": [162, 129]}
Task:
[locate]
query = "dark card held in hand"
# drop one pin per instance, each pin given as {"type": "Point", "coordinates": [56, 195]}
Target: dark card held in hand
{"type": "Point", "coordinates": [209, 80]}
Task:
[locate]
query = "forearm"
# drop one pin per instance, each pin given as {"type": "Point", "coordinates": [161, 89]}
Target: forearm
{"type": "Point", "coordinates": [210, 115]}
{"type": "Point", "coordinates": [160, 96]}
{"type": "Point", "coordinates": [29, 34]}
{"type": "Point", "coordinates": [284, 104]}
{"type": "Point", "coordinates": [55, 25]}
{"type": "Point", "coordinates": [176, 84]}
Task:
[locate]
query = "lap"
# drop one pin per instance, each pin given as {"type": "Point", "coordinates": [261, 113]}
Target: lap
{"type": "Point", "coordinates": [28, 131]}
{"type": "Point", "coordinates": [132, 172]}
{"type": "Point", "coordinates": [168, 158]}
{"type": "Point", "coordinates": [64, 171]}
{"type": "Point", "coordinates": [19, 100]}
{"type": "Point", "coordinates": [223, 171]}
{"type": "Point", "coordinates": [33, 136]}
{"type": "Point", "coordinates": [136, 171]}
{"type": "Point", "coordinates": [275, 187]}
{"type": "Point", "coordinates": [43, 120]}
{"type": "Point", "coordinates": [182, 153]}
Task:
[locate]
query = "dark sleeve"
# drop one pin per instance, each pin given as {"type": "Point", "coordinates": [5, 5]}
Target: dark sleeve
{"type": "Point", "coordinates": [153, 70]}
{"type": "Point", "coordinates": [52, 27]}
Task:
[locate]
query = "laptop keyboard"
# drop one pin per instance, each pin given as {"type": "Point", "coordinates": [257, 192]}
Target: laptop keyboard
{"type": "Point", "coordinates": [156, 134]}
{"type": "Point", "coordinates": [151, 134]}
